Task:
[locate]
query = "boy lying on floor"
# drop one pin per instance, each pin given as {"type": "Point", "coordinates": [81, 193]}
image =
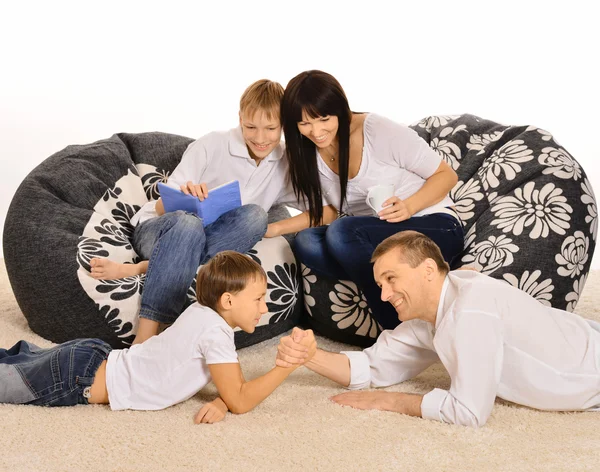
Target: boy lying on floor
{"type": "Point", "coordinates": [166, 369]}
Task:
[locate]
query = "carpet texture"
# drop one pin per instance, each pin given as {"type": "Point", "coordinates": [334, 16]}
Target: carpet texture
{"type": "Point", "coordinates": [296, 428]}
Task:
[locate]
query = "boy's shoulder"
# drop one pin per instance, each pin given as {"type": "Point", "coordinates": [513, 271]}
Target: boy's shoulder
{"type": "Point", "coordinates": [203, 318]}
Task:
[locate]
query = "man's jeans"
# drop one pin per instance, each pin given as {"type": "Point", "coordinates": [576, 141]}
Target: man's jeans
{"type": "Point", "coordinates": [176, 243]}
{"type": "Point", "coordinates": [57, 376]}
{"type": "Point", "coordinates": [343, 251]}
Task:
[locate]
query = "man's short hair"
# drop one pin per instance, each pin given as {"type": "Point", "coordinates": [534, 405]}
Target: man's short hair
{"type": "Point", "coordinates": [414, 248]}
{"type": "Point", "coordinates": [263, 95]}
{"type": "Point", "coordinates": [227, 271]}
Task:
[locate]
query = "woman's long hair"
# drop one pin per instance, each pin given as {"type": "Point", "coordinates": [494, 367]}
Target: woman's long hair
{"type": "Point", "coordinates": [317, 94]}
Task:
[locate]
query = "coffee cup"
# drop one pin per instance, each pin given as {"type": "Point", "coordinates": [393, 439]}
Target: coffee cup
{"type": "Point", "coordinates": [379, 194]}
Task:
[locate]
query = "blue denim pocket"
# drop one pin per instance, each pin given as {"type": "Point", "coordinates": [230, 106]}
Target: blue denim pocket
{"type": "Point", "coordinates": [54, 376]}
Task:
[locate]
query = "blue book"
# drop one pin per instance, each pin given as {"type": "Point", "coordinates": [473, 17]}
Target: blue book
{"type": "Point", "coordinates": [220, 200]}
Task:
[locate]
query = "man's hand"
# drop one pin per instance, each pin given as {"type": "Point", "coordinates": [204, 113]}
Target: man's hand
{"type": "Point", "coordinates": [396, 210]}
{"type": "Point", "coordinates": [211, 412]}
{"type": "Point", "coordinates": [296, 349]}
{"type": "Point", "coordinates": [405, 403]}
{"type": "Point", "coordinates": [197, 190]}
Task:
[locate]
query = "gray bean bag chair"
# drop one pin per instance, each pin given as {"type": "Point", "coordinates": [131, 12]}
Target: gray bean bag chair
{"type": "Point", "coordinates": [77, 205]}
{"type": "Point", "coordinates": [529, 213]}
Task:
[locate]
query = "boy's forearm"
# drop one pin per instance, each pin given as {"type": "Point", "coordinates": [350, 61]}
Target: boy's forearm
{"type": "Point", "coordinates": [256, 390]}
{"type": "Point", "coordinates": [292, 224]}
{"type": "Point", "coordinates": [333, 365]}
{"type": "Point", "coordinates": [302, 221]}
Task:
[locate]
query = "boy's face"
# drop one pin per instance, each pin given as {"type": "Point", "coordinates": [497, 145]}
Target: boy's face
{"type": "Point", "coordinates": [249, 305]}
{"type": "Point", "coordinates": [261, 134]}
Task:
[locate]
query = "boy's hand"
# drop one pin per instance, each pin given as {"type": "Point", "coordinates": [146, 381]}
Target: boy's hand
{"type": "Point", "coordinates": [296, 349]}
{"type": "Point", "coordinates": [211, 412]}
{"type": "Point", "coordinates": [197, 190]}
{"type": "Point", "coordinates": [272, 231]}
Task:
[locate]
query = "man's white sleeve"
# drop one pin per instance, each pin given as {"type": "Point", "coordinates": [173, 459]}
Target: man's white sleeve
{"type": "Point", "coordinates": [397, 356]}
{"type": "Point", "coordinates": [472, 352]}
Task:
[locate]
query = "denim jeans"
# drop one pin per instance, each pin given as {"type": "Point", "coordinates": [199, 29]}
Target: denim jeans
{"type": "Point", "coordinates": [57, 376]}
{"type": "Point", "coordinates": [343, 251]}
{"type": "Point", "coordinates": [176, 243]}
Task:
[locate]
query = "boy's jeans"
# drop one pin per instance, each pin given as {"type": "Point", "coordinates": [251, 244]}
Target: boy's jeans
{"type": "Point", "coordinates": [176, 243]}
{"type": "Point", "coordinates": [57, 376]}
{"type": "Point", "coordinates": [343, 251]}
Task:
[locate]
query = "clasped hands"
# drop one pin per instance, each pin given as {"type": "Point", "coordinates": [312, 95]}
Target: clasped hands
{"type": "Point", "coordinates": [300, 347]}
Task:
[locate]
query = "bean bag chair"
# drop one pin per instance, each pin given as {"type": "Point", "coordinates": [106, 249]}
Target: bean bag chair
{"type": "Point", "coordinates": [77, 205]}
{"type": "Point", "coordinates": [529, 215]}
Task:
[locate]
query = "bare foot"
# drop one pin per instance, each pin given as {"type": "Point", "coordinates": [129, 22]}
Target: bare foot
{"type": "Point", "coordinates": [105, 269]}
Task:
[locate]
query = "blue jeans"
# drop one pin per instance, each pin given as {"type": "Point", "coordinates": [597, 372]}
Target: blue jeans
{"type": "Point", "coordinates": [176, 243]}
{"type": "Point", "coordinates": [57, 376]}
{"type": "Point", "coordinates": [343, 251]}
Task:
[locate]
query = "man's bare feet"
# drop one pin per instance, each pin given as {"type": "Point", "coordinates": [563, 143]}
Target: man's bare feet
{"type": "Point", "coordinates": [105, 269]}
{"type": "Point", "coordinates": [146, 329]}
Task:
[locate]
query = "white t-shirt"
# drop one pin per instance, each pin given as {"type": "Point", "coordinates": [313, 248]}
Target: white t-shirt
{"type": "Point", "coordinates": [392, 154]}
{"type": "Point", "coordinates": [173, 366]}
{"type": "Point", "coordinates": [222, 156]}
{"type": "Point", "coordinates": [494, 340]}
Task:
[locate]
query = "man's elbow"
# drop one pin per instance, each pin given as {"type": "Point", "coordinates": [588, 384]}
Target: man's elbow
{"type": "Point", "coordinates": [473, 420]}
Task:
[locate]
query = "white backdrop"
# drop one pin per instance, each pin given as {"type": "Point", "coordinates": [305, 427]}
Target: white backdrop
{"type": "Point", "coordinates": [76, 72]}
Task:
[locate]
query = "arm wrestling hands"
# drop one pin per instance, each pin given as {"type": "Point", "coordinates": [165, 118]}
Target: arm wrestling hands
{"type": "Point", "coordinates": [300, 348]}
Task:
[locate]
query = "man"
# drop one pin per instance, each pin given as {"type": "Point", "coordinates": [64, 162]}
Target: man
{"type": "Point", "coordinates": [492, 338]}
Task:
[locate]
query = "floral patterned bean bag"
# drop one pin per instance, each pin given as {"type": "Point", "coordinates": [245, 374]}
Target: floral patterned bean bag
{"type": "Point", "coordinates": [77, 205]}
{"type": "Point", "coordinates": [529, 213]}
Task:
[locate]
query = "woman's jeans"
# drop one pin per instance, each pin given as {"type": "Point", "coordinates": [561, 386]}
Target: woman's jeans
{"type": "Point", "coordinates": [343, 251]}
{"type": "Point", "coordinates": [176, 243]}
{"type": "Point", "coordinates": [58, 376]}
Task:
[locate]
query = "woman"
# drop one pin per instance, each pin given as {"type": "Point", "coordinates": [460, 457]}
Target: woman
{"type": "Point", "coordinates": [335, 157]}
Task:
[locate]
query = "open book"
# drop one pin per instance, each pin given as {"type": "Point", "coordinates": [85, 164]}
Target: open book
{"type": "Point", "coordinates": [220, 200]}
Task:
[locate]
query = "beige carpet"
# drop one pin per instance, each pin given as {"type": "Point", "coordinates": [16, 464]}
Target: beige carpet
{"type": "Point", "coordinates": [296, 429]}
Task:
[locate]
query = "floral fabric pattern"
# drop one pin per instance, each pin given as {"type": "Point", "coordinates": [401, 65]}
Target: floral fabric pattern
{"type": "Point", "coordinates": [529, 213]}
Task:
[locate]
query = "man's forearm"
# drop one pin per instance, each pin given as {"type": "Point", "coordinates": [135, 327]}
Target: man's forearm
{"type": "Point", "coordinates": [405, 403]}
{"type": "Point", "coordinates": [333, 365]}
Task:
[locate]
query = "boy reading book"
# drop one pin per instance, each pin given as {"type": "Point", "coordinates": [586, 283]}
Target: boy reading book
{"type": "Point", "coordinates": [222, 199]}
{"type": "Point", "coordinates": [173, 244]}
{"type": "Point", "coordinates": [168, 368]}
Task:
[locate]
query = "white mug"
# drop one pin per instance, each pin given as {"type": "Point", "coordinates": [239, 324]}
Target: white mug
{"type": "Point", "coordinates": [379, 194]}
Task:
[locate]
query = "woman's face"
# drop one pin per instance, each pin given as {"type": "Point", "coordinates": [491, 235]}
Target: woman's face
{"type": "Point", "coordinates": [321, 130]}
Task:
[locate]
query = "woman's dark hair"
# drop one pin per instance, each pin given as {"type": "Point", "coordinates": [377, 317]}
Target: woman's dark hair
{"type": "Point", "coordinates": [318, 94]}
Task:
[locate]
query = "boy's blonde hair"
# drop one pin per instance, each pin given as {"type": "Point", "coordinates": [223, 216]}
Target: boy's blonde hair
{"type": "Point", "coordinates": [227, 271]}
{"type": "Point", "coordinates": [414, 248]}
{"type": "Point", "coordinates": [263, 95]}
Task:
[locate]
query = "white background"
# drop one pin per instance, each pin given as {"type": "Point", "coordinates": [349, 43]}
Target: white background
{"type": "Point", "coordinates": [76, 72]}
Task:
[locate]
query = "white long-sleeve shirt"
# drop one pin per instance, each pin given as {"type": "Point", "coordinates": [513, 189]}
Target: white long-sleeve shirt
{"type": "Point", "coordinates": [494, 340]}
